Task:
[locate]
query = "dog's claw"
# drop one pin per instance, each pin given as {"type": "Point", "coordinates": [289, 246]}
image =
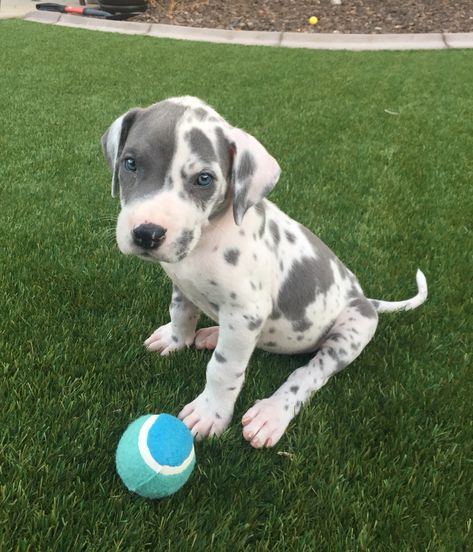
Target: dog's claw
{"type": "Point", "coordinates": [203, 418]}
{"type": "Point", "coordinates": [265, 423]}
{"type": "Point", "coordinates": [163, 341]}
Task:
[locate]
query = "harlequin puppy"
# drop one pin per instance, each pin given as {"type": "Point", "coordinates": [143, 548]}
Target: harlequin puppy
{"type": "Point", "coordinates": [192, 191]}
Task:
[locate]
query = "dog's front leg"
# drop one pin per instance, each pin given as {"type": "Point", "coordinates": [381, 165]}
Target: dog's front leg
{"type": "Point", "coordinates": [211, 412]}
{"type": "Point", "coordinates": [178, 333]}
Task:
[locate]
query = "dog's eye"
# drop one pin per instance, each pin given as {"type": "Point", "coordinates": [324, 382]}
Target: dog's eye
{"type": "Point", "coordinates": [204, 179]}
{"type": "Point", "coordinates": [130, 164]}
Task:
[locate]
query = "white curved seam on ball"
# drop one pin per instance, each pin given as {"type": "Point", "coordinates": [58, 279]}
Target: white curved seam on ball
{"type": "Point", "coordinates": [147, 456]}
{"type": "Point", "coordinates": [143, 444]}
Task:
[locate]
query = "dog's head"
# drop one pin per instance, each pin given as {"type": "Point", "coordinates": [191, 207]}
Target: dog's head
{"type": "Point", "coordinates": [178, 166]}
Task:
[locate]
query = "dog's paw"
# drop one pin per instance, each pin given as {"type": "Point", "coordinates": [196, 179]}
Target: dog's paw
{"type": "Point", "coordinates": [206, 338]}
{"type": "Point", "coordinates": [265, 423]}
{"type": "Point", "coordinates": [164, 341]}
{"type": "Point", "coordinates": [204, 417]}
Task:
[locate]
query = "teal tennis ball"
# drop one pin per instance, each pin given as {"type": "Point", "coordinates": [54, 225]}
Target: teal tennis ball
{"type": "Point", "coordinates": [155, 455]}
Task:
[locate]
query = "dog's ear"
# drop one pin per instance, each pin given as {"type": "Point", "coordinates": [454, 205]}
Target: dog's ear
{"type": "Point", "coordinates": [114, 140]}
{"type": "Point", "coordinates": [254, 172]}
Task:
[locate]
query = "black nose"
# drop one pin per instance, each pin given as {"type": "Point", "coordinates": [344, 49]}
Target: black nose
{"type": "Point", "coordinates": [148, 235]}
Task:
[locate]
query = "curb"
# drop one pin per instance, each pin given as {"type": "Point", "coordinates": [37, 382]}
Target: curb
{"type": "Point", "coordinates": [354, 42]}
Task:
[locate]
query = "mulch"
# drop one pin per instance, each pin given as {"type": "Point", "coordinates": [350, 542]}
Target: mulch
{"type": "Point", "coordinates": [350, 16]}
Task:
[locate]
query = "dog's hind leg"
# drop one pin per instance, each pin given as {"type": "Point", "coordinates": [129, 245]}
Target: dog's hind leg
{"type": "Point", "coordinates": [265, 423]}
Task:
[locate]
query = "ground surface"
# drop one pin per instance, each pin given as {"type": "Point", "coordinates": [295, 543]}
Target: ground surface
{"type": "Point", "coordinates": [351, 16]}
{"type": "Point", "coordinates": [375, 150]}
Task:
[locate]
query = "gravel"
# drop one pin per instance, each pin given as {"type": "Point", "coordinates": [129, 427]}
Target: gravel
{"type": "Point", "coordinates": [334, 16]}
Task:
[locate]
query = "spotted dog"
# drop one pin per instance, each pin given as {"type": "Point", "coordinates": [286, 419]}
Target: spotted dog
{"type": "Point", "coordinates": [192, 190]}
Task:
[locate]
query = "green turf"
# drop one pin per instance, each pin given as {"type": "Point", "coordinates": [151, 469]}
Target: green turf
{"type": "Point", "coordinates": [382, 457]}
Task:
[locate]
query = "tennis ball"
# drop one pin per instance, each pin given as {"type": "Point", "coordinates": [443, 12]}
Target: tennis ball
{"type": "Point", "coordinates": [313, 20]}
{"type": "Point", "coordinates": [155, 456]}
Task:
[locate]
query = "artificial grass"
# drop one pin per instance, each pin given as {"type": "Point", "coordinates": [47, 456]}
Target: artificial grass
{"type": "Point", "coordinates": [376, 156]}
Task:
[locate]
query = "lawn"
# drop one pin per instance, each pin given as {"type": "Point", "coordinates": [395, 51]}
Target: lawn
{"type": "Point", "coordinates": [376, 152]}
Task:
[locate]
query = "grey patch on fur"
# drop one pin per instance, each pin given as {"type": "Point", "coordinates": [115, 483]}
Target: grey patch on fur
{"type": "Point", "coordinates": [231, 388]}
{"type": "Point", "coordinates": [252, 286]}
{"type": "Point", "coordinates": [270, 344]}
{"type": "Point", "coordinates": [213, 282]}
{"type": "Point", "coordinates": [301, 325]}
{"type": "Point", "coordinates": [324, 273]}
{"type": "Point", "coordinates": [271, 330]}
{"type": "Point", "coordinates": [239, 374]}
{"type": "Point", "coordinates": [247, 166]}
{"type": "Point", "coordinates": [261, 210]}
{"type": "Point", "coordinates": [275, 313]}
{"type": "Point", "coordinates": [174, 338]}
{"type": "Point", "coordinates": [294, 389]}
{"type": "Point", "coordinates": [224, 160]}
{"type": "Point", "coordinates": [153, 134]}
{"type": "Point", "coordinates": [299, 288]}
{"type": "Point", "coordinates": [254, 323]}
{"type": "Point", "coordinates": [291, 238]}
{"type": "Point", "coordinates": [274, 230]}
{"type": "Point", "coordinates": [219, 357]}
{"type": "Point", "coordinates": [364, 307]}
{"type": "Point", "coordinates": [217, 415]}
{"type": "Point", "coordinates": [201, 113]}
{"type": "Point", "coordinates": [332, 353]}
{"type": "Point", "coordinates": [242, 233]}
{"type": "Point", "coordinates": [183, 243]}
{"type": "Point", "coordinates": [375, 303]}
{"type": "Point", "coordinates": [231, 255]}
{"type": "Point", "coordinates": [201, 146]}
{"type": "Point", "coordinates": [300, 337]}
{"type": "Point", "coordinates": [241, 179]}
{"type": "Point", "coordinates": [214, 306]}
{"type": "Point", "coordinates": [233, 295]}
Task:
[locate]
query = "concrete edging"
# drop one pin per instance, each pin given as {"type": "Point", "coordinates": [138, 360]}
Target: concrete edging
{"type": "Point", "coordinates": [354, 42]}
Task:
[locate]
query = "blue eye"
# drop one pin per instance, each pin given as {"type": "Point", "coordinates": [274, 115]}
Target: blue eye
{"type": "Point", "coordinates": [130, 164]}
{"type": "Point", "coordinates": [204, 179]}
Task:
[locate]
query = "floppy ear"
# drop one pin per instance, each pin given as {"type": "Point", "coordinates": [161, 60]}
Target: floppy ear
{"type": "Point", "coordinates": [254, 173]}
{"type": "Point", "coordinates": [113, 141]}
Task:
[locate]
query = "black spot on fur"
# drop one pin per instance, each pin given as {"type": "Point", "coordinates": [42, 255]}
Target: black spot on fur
{"type": "Point", "coordinates": [219, 357]}
{"type": "Point", "coordinates": [231, 255]}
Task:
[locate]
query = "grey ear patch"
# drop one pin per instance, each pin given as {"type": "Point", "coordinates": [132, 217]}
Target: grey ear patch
{"type": "Point", "coordinates": [113, 142]}
{"type": "Point", "coordinates": [254, 173]}
{"type": "Point", "coordinates": [241, 177]}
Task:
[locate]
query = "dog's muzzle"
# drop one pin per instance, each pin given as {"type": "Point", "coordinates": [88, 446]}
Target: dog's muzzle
{"type": "Point", "coordinates": [148, 235]}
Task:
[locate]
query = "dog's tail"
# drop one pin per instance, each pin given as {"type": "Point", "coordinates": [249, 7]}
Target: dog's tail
{"type": "Point", "coordinates": [409, 304]}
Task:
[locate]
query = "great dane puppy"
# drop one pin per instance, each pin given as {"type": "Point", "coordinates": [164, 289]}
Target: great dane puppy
{"type": "Point", "coordinates": [192, 190]}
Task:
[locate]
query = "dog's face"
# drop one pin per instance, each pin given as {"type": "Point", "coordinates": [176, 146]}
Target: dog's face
{"type": "Point", "coordinates": [178, 166]}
